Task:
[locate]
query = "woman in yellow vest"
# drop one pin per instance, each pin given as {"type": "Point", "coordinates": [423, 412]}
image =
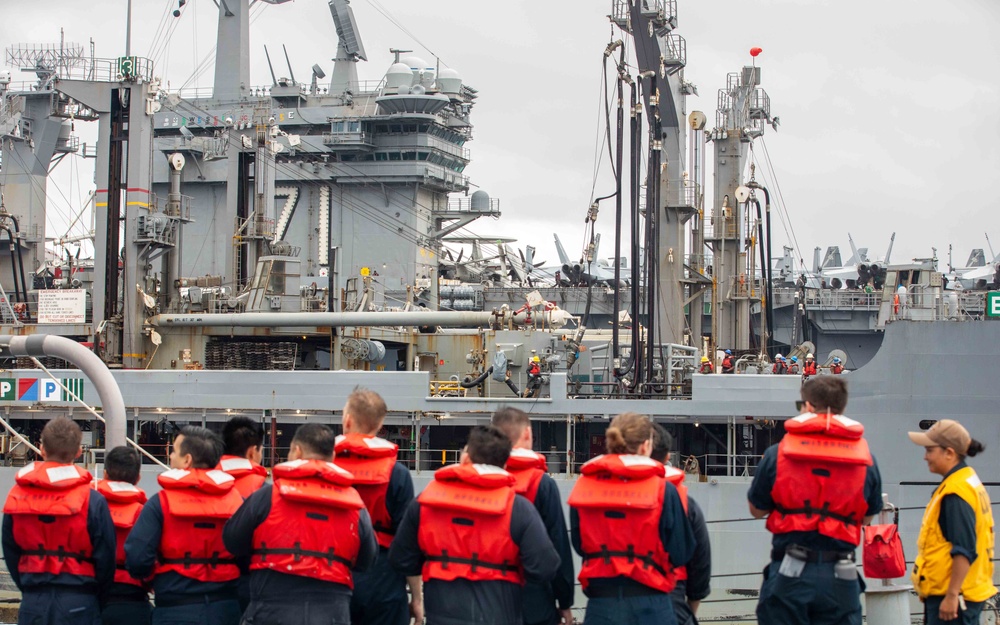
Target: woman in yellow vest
{"type": "Point", "coordinates": [953, 573]}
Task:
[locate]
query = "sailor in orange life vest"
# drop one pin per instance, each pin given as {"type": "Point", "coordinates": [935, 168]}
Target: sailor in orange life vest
{"type": "Point", "coordinates": [817, 487]}
{"type": "Point", "coordinates": [128, 601]}
{"type": "Point", "coordinates": [304, 534]}
{"type": "Point", "coordinates": [58, 538]}
{"type": "Point", "coordinates": [544, 604]}
{"type": "Point", "coordinates": [386, 488]}
{"type": "Point", "coordinates": [628, 524]}
{"type": "Point", "coordinates": [244, 441]}
{"type": "Point", "coordinates": [953, 572]}
{"type": "Point", "coordinates": [178, 536]}
{"type": "Point", "coordinates": [474, 539]}
{"type": "Point", "coordinates": [693, 580]}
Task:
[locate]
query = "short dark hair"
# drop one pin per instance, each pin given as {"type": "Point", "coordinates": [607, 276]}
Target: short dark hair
{"type": "Point", "coordinates": [204, 445]}
{"type": "Point", "coordinates": [240, 434]}
{"type": "Point", "coordinates": [511, 422]}
{"type": "Point", "coordinates": [367, 408]}
{"type": "Point", "coordinates": [488, 445]}
{"type": "Point", "coordinates": [122, 464]}
{"type": "Point", "coordinates": [663, 442]}
{"type": "Point", "coordinates": [827, 392]}
{"type": "Point", "coordinates": [315, 438]}
{"type": "Point", "coordinates": [61, 438]}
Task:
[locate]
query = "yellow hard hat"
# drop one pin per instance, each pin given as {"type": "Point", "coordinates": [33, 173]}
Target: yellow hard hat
{"type": "Point", "coordinates": [536, 359]}
{"type": "Point", "coordinates": [704, 358]}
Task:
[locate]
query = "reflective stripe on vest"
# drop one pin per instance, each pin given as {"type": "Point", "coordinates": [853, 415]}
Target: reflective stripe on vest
{"type": "Point", "coordinates": [932, 569]}
{"type": "Point", "coordinates": [196, 504]}
{"type": "Point", "coordinates": [125, 503]}
{"type": "Point", "coordinates": [59, 544]}
{"type": "Point", "coordinates": [619, 501]}
{"type": "Point", "coordinates": [312, 528]}
{"type": "Point", "coordinates": [820, 481]}
{"type": "Point", "coordinates": [371, 459]}
{"type": "Point", "coordinates": [464, 531]}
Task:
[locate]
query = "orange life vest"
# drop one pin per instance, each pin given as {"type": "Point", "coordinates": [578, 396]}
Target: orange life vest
{"type": "Point", "coordinates": [819, 486]}
{"type": "Point", "coordinates": [809, 368]}
{"type": "Point", "coordinates": [464, 529]}
{"type": "Point", "coordinates": [196, 504]}
{"type": "Point", "coordinates": [60, 492]}
{"type": "Point", "coordinates": [619, 500]}
{"type": "Point", "coordinates": [249, 476]}
{"type": "Point", "coordinates": [676, 477]}
{"type": "Point", "coordinates": [125, 502]}
{"type": "Point", "coordinates": [371, 460]}
{"type": "Point", "coordinates": [312, 529]}
{"type": "Point", "coordinates": [527, 467]}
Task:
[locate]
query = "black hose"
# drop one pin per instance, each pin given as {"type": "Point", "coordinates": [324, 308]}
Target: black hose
{"type": "Point", "coordinates": [763, 266]}
{"type": "Point", "coordinates": [615, 351]}
{"type": "Point", "coordinates": [20, 262]}
{"type": "Point", "coordinates": [513, 387]}
{"type": "Point", "coordinates": [13, 262]}
{"type": "Point", "coordinates": [467, 383]}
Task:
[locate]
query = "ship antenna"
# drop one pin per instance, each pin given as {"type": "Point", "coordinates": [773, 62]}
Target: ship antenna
{"type": "Point", "coordinates": [274, 79]}
{"type": "Point", "coordinates": [291, 74]}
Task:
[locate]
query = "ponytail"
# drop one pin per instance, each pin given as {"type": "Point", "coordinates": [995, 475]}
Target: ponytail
{"type": "Point", "coordinates": [627, 432]}
{"type": "Point", "coordinates": [975, 447]}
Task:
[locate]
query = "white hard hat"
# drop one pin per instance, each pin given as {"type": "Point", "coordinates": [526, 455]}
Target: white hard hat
{"type": "Point", "coordinates": [809, 356]}
{"type": "Point", "coordinates": [778, 356]}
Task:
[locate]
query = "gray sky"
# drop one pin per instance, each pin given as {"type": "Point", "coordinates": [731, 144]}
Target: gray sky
{"type": "Point", "coordinates": [888, 108]}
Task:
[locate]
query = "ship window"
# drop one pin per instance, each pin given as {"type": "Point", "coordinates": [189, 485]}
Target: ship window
{"type": "Point", "coordinates": [276, 278]}
{"type": "Point", "coordinates": [337, 127]}
{"type": "Point", "coordinates": [396, 128]}
{"type": "Point", "coordinates": [409, 156]}
{"type": "Point", "coordinates": [422, 156]}
{"type": "Point", "coordinates": [409, 128]}
{"type": "Point", "coordinates": [394, 156]}
{"type": "Point", "coordinates": [381, 156]}
{"type": "Point", "coordinates": [353, 126]}
{"type": "Point", "coordinates": [348, 158]}
{"type": "Point", "coordinates": [424, 127]}
{"type": "Point", "coordinates": [382, 128]}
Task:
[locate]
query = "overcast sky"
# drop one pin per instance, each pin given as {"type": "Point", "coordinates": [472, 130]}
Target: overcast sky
{"type": "Point", "coordinates": [889, 109]}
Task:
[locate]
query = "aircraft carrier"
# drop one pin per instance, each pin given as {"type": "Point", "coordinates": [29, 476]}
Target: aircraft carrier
{"type": "Point", "coordinates": [265, 250]}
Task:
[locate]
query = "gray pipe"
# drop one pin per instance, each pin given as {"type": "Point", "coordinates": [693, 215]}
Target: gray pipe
{"type": "Point", "coordinates": [327, 320]}
{"type": "Point", "coordinates": [91, 366]}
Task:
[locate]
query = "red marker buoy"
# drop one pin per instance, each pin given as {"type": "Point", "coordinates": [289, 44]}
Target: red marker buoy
{"type": "Point", "coordinates": [755, 51]}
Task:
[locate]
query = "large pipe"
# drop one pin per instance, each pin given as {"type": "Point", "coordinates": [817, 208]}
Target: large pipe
{"type": "Point", "coordinates": [327, 319]}
{"type": "Point", "coordinates": [91, 366]}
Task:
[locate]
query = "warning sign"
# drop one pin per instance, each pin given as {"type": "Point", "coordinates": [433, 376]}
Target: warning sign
{"type": "Point", "coordinates": [62, 306]}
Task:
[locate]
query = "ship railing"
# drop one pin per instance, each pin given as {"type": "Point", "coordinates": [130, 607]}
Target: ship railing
{"type": "Point", "coordinates": [358, 138]}
{"type": "Point", "coordinates": [260, 91]}
{"type": "Point", "coordinates": [17, 313]}
{"type": "Point", "coordinates": [843, 299]}
{"type": "Point", "coordinates": [683, 194]}
{"type": "Point", "coordinates": [463, 204]}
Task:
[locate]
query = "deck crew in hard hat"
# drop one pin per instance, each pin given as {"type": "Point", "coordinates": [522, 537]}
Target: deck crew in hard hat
{"type": "Point", "coordinates": [837, 367]}
{"type": "Point", "coordinates": [693, 579]}
{"type": "Point", "coordinates": [706, 366]}
{"type": "Point", "coordinates": [386, 487]}
{"type": "Point", "coordinates": [474, 539]}
{"type": "Point", "coordinates": [779, 367]}
{"type": "Point", "coordinates": [58, 537]}
{"type": "Point", "coordinates": [303, 535]}
{"type": "Point", "coordinates": [817, 487]}
{"type": "Point", "coordinates": [793, 366]}
{"type": "Point", "coordinates": [128, 601]}
{"type": "Point", "coordinates": [953, 572]}
{"type": "Point", "coordinates": [621, 506]}
{"type": "Point", "coordinates": [244, 444]}
{"type": "Point", "coordinates": [178, 536]}
{"type": "Point", "coordinates": [728, 364]}
{"type": "Point", "coordinates": [544, 603]}
{"type": "Point", "coordinates": [534, 385]}
{"type": "Point", "coordinates": [809, 366]}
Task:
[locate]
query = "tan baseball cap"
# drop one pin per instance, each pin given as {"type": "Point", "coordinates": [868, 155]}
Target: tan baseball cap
{"type": "Point", "coordinates": [944, 433]}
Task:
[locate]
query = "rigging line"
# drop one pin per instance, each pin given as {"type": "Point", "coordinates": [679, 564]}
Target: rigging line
{"type": "Point", "coordinates": [163, 44]}
{"type": "Point", "coordinates": [601, 139]}
{"type": "Point", "coordinates": [781, 195]}
{"type": "Point", "coordinates": [159, 27]}
{"type": "Point", "coordinates": [385, 13]}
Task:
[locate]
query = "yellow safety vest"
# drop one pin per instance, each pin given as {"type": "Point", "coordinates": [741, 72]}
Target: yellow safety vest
{"type": "Point", "coordinates": [932, 569]}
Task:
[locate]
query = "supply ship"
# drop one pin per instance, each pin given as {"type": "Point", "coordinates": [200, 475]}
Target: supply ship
{"type": "Point", "coordinates": [264, 250]}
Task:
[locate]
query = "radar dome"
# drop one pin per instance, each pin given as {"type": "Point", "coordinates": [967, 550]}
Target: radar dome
{"type": "Point", "coordinates": [480, 201]}
{"type": "Point", "coordinates": [399, 75]}
{"type": "Point", "coordinates": [417, 65]}
{"type": "Point", "coordinates": [449, 81]}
